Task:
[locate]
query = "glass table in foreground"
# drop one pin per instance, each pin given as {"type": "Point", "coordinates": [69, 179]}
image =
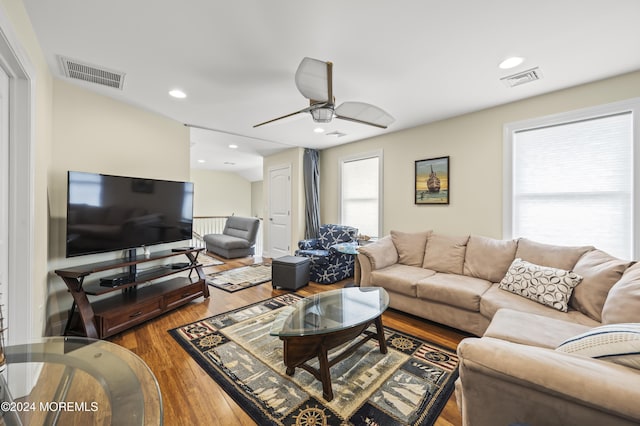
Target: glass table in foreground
{"type": "Point", "coordinates": [79, 381]}
{"type": "Point", "coordinates": [313, 326]}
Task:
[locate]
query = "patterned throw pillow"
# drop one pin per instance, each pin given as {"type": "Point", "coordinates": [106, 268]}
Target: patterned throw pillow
{"type": "Point", "coordinates": [619, 343]}
{"type": "Point", "coordinates": [549, 286]}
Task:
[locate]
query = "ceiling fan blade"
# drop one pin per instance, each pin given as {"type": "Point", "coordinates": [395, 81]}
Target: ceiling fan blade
{"type": "Point", "coordinates": [283, 117]}
{"type": "Point", "coordinates": [364, 113]}
{"type": "Point", "coordinates": [314, 80]}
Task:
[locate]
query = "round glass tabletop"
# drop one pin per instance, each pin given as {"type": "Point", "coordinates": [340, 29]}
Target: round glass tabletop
{"type": "Point", "coordinates": [78, 381]}
{"type": "Point", "coordinates": [331, 311]}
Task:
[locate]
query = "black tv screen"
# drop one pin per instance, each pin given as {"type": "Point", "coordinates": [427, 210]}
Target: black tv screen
{"type": "Point", "coordinates": [109, 213]}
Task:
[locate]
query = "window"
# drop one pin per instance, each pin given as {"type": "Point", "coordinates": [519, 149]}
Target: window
{"type": "Point", "coordinates": [569, 179]}
{"type": "Point", "coordinates": [360, 193]}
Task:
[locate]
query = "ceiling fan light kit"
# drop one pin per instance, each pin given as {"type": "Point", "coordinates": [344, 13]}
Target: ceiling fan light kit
{"type": "Point", "coordinates": [322, 114]}
{"type": "Point", "coordinates": [314, 80]}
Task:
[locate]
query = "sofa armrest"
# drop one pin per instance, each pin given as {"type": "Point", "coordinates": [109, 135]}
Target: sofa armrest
{"type": "Point", "coordinates": [309, 244]}
{"type": "Point", "coordinates": [374, 256]}
{"type": "Point", "coordinates": [505, 383]}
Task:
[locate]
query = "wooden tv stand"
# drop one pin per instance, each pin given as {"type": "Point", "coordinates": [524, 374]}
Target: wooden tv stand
{"type": "Point", "coordinates": [130, 304]}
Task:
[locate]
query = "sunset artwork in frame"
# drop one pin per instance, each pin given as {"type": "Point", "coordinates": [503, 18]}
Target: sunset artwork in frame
{"type": "Point", "coordinates": [432, 181]}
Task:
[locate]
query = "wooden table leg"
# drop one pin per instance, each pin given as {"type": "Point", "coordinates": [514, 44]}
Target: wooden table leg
{"type": "Point", "coordinates": [381, 340]}
{"type": "Point", "coordinates": [325, 375]}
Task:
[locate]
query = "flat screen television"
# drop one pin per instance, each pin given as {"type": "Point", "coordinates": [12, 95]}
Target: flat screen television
{"type": "Point", "coordinates": [108, 213]}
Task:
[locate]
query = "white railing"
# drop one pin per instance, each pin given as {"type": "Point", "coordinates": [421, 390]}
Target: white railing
{"type": "Point", "coordinates": [203, 225]}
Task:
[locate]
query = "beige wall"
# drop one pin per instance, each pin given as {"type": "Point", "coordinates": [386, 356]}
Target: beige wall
{"type": "Point", "coordinates": [293, 158]}
{"type": "Point", "coordinates": [257, 199]}
{"type": "Point", "coordinates": [28, 49]}
{"type": "Point", "coordinates": [474, 144]}
{"type": "Point", "coordinates": [95, 133]}
{"type": "Point", "coordinates": [220, 193]}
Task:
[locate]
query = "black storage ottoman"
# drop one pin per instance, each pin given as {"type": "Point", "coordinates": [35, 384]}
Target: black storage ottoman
{"type": "Point", "coordinates": [290, 272]}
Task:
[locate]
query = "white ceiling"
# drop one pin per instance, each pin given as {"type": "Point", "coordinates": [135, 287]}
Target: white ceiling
{"type": "Point", "coordinates": [420, 60]}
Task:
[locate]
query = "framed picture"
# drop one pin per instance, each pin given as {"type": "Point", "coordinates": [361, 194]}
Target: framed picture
{"type": "Point", "coordinates": [432, 181]}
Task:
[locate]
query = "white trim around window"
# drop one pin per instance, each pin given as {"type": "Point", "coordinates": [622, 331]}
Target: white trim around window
{"type": "Point", "coordinates": [629, 108]}
{"type": "Point", "coordinates": [357, 157]}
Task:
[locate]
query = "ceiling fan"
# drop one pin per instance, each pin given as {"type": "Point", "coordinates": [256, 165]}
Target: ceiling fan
{"type": "Point", "coordinates": [314, 81]}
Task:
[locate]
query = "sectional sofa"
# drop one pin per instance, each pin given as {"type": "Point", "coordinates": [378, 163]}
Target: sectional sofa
{"type": "Point", "coordinates": [558, 339]}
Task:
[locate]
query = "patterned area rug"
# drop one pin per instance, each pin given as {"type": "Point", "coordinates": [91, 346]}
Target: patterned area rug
{"type": "Point", "coordinates": [207, 260]}
{"type": "Point", "coordinates": [408, 386]}
{"type": "Point", "coordinates": [240, 278]}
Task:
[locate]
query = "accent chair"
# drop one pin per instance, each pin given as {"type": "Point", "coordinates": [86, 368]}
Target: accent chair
{"type": "Point", "coordinates": [328, 265]}
{"type": "Point", "coordinates": [238, 239]}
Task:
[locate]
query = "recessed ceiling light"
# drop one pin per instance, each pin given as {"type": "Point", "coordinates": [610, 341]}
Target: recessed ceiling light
{"type": "Point", "coordinates": [318, 130]}
{"type": "Point", "coordinates": [511, 62]}
{"type": "Point", "coordinates": [233, 146]}
{"type": "Point", "coordinates": [177, 93]}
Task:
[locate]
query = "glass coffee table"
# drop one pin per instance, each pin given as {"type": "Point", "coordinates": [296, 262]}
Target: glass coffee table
{"type": "Point", "coordinates": [313, 326]}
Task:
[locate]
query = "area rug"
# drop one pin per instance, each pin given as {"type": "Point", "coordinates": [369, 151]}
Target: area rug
{"type": "Point", "coordinates": [408, 386]}
{"type": "Point", "coordinates": [206, 260]}
{"type": "Point", "coordinates": [240, 278]}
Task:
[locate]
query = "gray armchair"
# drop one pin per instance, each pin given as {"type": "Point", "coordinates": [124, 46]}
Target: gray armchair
{"type": "Point", "coordinates": [238, 239]}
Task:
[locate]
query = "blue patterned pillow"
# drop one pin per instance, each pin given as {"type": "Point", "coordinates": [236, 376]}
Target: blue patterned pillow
{"type": "Point", "coordinates": [619, 343]}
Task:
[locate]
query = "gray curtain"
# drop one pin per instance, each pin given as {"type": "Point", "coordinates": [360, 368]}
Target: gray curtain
{"type": "Point", "coordinates": [311, 166]}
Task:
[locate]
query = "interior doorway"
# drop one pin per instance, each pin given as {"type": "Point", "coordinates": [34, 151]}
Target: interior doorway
{"type": "Point", "coordinates": [4, 192]}
{"type": "Point", "coordinates": [279, 214]}
{"type": "Point", "coordinates": [20, 211]}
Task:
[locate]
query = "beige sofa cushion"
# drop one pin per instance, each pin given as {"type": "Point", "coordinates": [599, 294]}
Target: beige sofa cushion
{"type": "Point", "coordinates": [531, 329]}
{"type": "Point", "coordinates": [454, 290]}
{"type": "Point", "coordinates": [495, 299]}
{"type": "Point", "coordinates": [445, 253]}
{"type": "Point", "coordinates": [399, 278]}
{"type": "Point", "coordinates": [624, 298]}
{"type": "Point", "coordinates": [599, 271]}
{"type": "Point", "coordinates": [381, 254]}
{"type": "Point", "coordinates": [562, 257]}
{"type": "Point", "coordinates": [488, 258]}
{"type": "Point", "coordinates": [410, 246]}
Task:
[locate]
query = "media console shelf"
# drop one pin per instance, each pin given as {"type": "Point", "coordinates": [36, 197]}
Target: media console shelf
{"type": "Point", "coordinates": [132, 304]}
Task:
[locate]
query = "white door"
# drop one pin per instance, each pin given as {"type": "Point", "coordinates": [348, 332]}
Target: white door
{"type": "Point", "coordinates": [279, 219]}
{"type": "Point", "coordinates": [4, 192]}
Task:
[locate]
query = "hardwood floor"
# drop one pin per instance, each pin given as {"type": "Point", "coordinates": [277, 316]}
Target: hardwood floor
{"type": "Point", "coordinates": [191, 397]}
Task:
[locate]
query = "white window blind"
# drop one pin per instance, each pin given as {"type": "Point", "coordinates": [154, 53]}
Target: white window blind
{"type": "Point", "coordinates": [360, 194]}
{"type": "Point", "coordinates": [573, 183]}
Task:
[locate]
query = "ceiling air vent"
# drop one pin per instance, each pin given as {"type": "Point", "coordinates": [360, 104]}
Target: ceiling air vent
{"type": "Point", "coordinates": [522, 77]}
{"type": "Point", "coordinates": [91, 73]}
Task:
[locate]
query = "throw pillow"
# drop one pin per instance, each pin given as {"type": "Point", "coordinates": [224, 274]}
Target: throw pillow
{"type": "Point", "coordinates": [549, 286]}
{"type": "Point", "coordinates": [410, 246]}
{"type": "Point", "coordinates": [624, 298]}
{"type": "Point", "coordinates": [445, 253]}
{"type": "Point", "coordinates": [599, 271]}
{"type": "Point", "coordinates": [619, 343]}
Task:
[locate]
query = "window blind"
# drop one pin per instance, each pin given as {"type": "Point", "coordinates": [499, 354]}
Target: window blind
{"type": "Point", "coordinates": [572, 183]}
{"type": "Point", "coordinates": [361, 195]}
